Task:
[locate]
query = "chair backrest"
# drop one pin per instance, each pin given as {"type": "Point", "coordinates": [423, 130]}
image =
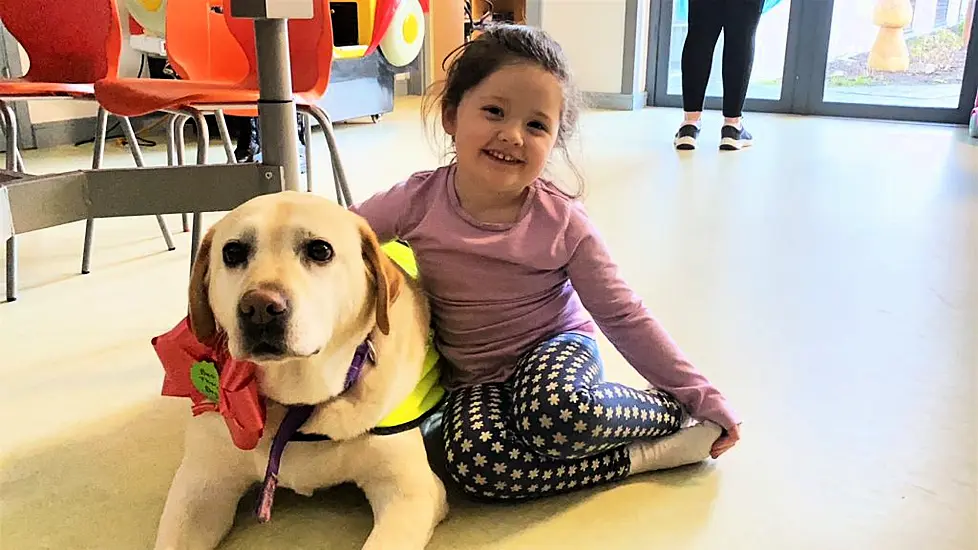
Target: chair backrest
{"type": "Point", "coordinates": [67, 41]}
{"type": "Point", "coordinates": [199, 44]}
{"type": "Point", "coordinates": [310, 48]}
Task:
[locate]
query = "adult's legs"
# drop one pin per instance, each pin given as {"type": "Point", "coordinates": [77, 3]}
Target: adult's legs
{"type": "Point", "coordinates": [705, 22]}
{"type": "Point", "coordinates": [740, 18]}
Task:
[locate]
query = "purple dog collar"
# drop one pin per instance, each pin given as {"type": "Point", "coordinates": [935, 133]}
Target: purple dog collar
{"type": "Point", "coordinates": [295, 417]}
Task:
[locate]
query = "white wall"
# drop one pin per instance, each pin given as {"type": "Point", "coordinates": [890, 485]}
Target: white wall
{"type": "Point", "coordinates": [57, 110]}
{"type": "Point", "coordinates": [592, 33]}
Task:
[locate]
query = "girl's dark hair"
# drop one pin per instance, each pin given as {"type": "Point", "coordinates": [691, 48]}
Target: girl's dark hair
{"type": "Point", "coordinates": [502, 45]}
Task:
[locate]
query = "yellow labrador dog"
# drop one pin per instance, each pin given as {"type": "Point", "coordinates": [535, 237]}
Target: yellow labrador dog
{"type": "Point", "coordinates": [296, 285]}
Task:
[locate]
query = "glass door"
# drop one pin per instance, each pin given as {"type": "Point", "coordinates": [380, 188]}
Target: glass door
{"type": "Point", "coordinates": [900, 59]}
{"type": "Point", "coordinates": [893, 59]}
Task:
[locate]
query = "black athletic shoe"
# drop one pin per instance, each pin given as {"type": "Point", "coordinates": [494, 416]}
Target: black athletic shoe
{"type": "Point", "coordinates": [733, 139]}
{"type": "Point", "coordinates": [686, 137]}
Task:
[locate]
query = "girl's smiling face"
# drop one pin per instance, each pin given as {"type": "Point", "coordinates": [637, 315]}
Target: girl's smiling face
{"type": "Point", "coordinates": [505, 128]}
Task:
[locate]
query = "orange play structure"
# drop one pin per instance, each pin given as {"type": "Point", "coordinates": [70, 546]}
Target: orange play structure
{"type": "Point", "coordinates": [395, 27]}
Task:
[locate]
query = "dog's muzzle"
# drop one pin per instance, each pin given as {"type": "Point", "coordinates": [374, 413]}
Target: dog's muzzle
{"type": "Point", "coordinates": [263, 316]}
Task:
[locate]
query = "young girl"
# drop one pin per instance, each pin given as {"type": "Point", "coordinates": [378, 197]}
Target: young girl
{"type": "Point", "coordinates": [515, 271]}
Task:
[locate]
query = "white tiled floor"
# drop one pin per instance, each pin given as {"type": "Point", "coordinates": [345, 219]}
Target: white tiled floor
{"type": "Point", "coordinates": [826, 280]}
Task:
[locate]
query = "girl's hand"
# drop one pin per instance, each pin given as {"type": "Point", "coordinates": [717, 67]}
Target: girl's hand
{"type": "Point", "coordinates": [725, 441]}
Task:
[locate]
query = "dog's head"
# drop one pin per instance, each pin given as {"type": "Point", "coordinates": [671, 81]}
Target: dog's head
{"type": "Point", "coordinates": [284, 274]}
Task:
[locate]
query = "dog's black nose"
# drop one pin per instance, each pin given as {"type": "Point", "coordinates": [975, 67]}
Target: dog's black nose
{"type": "Point", "coordinates": [262, 306]}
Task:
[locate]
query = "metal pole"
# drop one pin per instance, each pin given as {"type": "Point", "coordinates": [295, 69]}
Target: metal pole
{"type": "Point", "coordinates": [276, 106]}
{"type": "Point", "coordinates": [98, 154]}
{"type": "Point", "coordinates": [203, 141]}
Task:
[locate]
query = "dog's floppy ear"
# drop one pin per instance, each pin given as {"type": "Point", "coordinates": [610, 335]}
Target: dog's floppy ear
{"type": "Point", "coordinates": [387, 278]}
{"type": "Point", "coordinates": [202, 322]}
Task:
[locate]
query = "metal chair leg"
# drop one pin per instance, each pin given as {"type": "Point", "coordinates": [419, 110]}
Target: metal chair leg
{"type": "Point", "coordinates": [222, 128]}
{"type": "Point", "coordinates": [172, 155]}
{"type": "Point", "coordinates": [137, 157]}
{"type": "Point", "coordinates": [343, 194]}
{"type": "Point", "coordinates": [11, 115]}
{"type": "Point", "coordinates": [12, 269]}
{"type": "Point", "coordinates": [10, 131]}
{"type": "Point", "coordinates": [98, 155]}
{"type": "Point", "coordinates": [307, 138]}
{"type": "Point", "coordinates": [203, 140]}
{"type": "Point", "coordinates": [179, 125]}
{"type": "Point", "coordinates": [171, 143]}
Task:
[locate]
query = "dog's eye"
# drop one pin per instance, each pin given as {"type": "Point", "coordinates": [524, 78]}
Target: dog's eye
{"type": "Point", "coordinates": [319, 251]}
{"type": "Point", "coordinates": [235, 253]}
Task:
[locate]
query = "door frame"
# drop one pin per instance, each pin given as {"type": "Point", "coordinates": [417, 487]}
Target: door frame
{"type": "Point", "coordinates": [803, 79]}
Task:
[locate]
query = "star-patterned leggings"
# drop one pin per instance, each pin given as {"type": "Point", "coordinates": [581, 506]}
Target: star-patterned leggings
{"type": "Point", "coordinates": [553, 427]}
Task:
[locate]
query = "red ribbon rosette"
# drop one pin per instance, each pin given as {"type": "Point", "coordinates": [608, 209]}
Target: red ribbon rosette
{"type": "Point", "coordinates": [238, 401]}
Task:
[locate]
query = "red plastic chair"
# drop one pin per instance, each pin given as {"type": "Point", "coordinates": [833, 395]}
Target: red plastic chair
{"type": "Point", "coordinates": [204, 54]}
{"type": "Point", "coordinates": [70, 45]}
{"type": "Point", "coordinates": [196, 41]}
{"type": "Point", "coordinates": [206, 57]}
{"type": "Point", "coordinates": [310, 50]}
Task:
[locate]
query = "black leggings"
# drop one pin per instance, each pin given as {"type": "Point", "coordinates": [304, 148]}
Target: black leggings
{"type": "Point", "coordinates": [738, 20]}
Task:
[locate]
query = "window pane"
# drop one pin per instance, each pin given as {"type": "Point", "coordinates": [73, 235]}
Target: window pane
{"type": "Point", "coordinates": [899, 52]}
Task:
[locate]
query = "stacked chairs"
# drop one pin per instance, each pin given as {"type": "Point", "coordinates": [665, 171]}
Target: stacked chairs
{"type": "Point", "coordinates": [70, 46]}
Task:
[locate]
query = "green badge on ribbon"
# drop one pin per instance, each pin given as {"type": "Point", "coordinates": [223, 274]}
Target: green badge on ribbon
{"type": "Point", "coordinates": [206, 379]}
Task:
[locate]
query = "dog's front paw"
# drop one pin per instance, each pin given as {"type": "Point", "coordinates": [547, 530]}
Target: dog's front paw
{"type": "Point", "coordinates": [337, 419]}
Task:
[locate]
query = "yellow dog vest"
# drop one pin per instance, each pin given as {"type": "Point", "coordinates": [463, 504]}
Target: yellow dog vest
{"type": "Point", "coordinates": [429, 392]}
